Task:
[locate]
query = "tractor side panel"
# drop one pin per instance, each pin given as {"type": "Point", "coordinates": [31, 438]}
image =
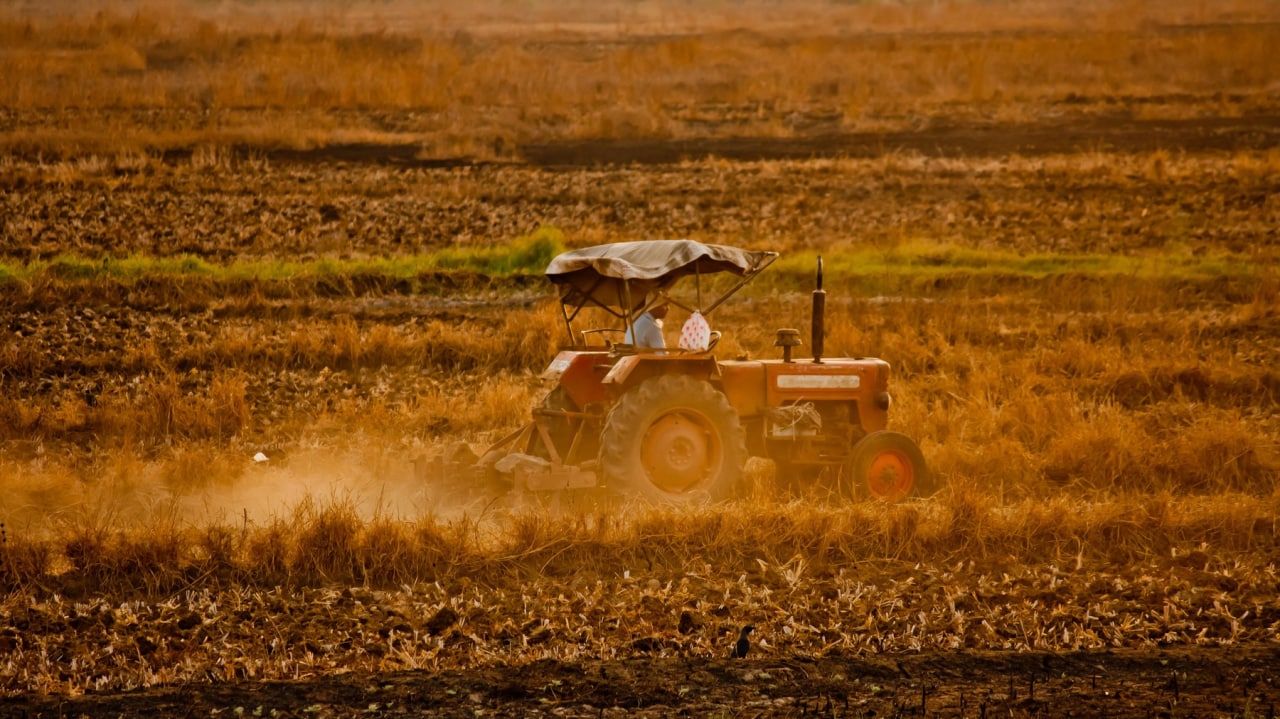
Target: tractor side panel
{"type": "Point", "coordinates": [871, 417]}
{"type": "Point", "coordinates": [805, 381]}
{"type": "Point", "coordinates": [835, 380]}
{"type": "Point", "coordinates": [581, 374]}
{"type": "Point", "coordinates": [873, 407]}
{"type": "Point", "coordinates": [634, 369]}
{"type": "Point", "coordinates": [743, 383]}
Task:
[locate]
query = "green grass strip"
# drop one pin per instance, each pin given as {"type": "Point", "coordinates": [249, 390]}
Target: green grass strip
{"type": "Point", "coordinates": [928, 261]}
{"type": "Point", "coordinates": [524, 255]}
{"type": "Point", "coordinates": [530, 255]}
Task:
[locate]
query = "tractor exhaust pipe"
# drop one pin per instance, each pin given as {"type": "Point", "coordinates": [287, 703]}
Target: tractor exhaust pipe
{"type": "Point", "coordinates": [819, 316]}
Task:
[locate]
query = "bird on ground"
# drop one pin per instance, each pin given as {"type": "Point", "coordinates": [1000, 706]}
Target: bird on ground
{"type": "Point", "coordinates": [444, 618]}
{"type": "Point", "coordinates": [687, 622]}
{"type": "Point", "coordinates": [743, 645]}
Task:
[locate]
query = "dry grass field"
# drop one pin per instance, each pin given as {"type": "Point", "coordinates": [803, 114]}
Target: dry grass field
{"type": "Point", "coordinates": [317, 230]}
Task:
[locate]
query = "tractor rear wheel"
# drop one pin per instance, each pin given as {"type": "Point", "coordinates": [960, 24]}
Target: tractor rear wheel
{"type": "Point", "coordinates": [888, 466]}
{"type": "Point", "coordinates": [673, 439]}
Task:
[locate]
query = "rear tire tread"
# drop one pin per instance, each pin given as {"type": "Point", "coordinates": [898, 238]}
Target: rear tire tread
{"type": "Point", "coordinates": [622, 426]}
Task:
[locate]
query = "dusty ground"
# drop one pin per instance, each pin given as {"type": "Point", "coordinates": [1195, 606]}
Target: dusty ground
{"type": "Point", "coordinates": [1224, 681]}
{"type": "Point", "coordinates": [1147, 384]}
{"type": "Point", "coordinates": [1133, 417]}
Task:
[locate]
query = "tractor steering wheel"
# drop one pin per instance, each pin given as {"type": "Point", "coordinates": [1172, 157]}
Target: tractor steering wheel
{"type": "Point", "coordinates": [715, 340]}
{"type": "Point", "coordinates": [600, 331]}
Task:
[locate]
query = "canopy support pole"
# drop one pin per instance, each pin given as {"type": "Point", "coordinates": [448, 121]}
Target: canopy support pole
{"type": "Point", "coordinates": [626, 298]}
{"type": "Point", "coordinates": [568, 324]}
{"type": "Point", "coordinates": [742, 283]}
{"type": "Point", "coordinates": [660, 297]}
{"type": "Point", "coordinates": [587, 297]}
{"type": "Point", "coordinates": [697, 279]}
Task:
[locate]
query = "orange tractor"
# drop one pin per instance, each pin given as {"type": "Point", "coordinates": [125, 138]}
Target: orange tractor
{"type": "Point", "coordinates": [677, 425]}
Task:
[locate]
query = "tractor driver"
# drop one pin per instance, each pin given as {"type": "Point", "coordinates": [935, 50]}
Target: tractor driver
{"type": "Point", "coordinates": [648, 329]}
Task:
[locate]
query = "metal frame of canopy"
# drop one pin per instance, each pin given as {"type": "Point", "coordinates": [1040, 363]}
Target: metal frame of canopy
{"type": "Point", "coordinates": [660, 293]}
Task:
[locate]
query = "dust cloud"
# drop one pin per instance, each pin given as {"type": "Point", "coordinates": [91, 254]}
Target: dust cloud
{"type": "Point", "coordinates": [374, 483]}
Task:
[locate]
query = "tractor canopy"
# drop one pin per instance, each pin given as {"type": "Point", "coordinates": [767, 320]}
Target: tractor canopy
{"type": "Point", "coordinates": [623, 277]}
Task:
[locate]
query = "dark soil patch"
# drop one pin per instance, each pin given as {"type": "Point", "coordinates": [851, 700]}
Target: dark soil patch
{"type": "Point", "coordinates": [941, 140]}
{"type": "Point", "coordinates": [938, 139]}
{"type": "Point", "coordinates": [1182, 682]}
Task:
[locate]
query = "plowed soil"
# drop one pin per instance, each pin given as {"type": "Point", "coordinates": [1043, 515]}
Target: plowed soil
{"type": "Point", "coordinates": [938, 140]}
{"type": "Point", "coordinates": [1107, 438]}
{"type": "Point", "coordinates": [1224, 681]}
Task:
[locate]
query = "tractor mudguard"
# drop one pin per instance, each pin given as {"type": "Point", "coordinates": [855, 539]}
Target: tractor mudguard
{"type": "Point", "coordinates": [636, 368]}
{"type": "Point", "coordinates": [580, 374]}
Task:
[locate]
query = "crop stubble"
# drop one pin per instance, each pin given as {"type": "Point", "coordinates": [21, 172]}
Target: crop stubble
{"type": "Point", "coordinates": [1107, 436]}
{"type": "Point", "coordinates": [1069, 391]}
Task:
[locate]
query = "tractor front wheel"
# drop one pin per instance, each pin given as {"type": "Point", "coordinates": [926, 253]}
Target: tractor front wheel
{"type": "Point", "coordinates": [888, 466]}
{"type": "Point", "coordinates": [673, 439]}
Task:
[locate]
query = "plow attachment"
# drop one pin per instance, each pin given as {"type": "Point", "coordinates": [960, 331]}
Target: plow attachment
{"type": "Point", "coordinates": [457, 472]}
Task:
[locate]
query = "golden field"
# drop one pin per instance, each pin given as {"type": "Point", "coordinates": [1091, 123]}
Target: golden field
{"type": "Point", "coordinates": [317, 231]}
{"type": "Point", "coordinates": [493, 82]}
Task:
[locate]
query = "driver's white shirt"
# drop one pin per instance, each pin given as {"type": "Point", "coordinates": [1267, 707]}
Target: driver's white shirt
{"type": "Point", "coordinates": [649, 331]}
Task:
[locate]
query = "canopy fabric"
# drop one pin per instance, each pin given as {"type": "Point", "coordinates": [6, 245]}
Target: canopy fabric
{"type": "Point", "coordinates": [597, 272]}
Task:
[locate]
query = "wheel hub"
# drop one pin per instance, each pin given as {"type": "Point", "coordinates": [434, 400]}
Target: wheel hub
{"type": "Point", "coordinates": [891, 476]}
{"type": "Point", "coordinates": [680, 450]}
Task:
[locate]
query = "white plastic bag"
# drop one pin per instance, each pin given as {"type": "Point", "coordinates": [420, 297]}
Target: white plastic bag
{"type": "Point", "coordinates": [696, 333]}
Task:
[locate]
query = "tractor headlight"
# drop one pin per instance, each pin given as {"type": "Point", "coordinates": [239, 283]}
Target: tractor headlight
{"type": "Point", "coordinates": [883, 400]}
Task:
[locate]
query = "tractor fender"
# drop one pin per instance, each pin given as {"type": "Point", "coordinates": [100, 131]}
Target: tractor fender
{"type": "Point", "coordinates": [635, 368]}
